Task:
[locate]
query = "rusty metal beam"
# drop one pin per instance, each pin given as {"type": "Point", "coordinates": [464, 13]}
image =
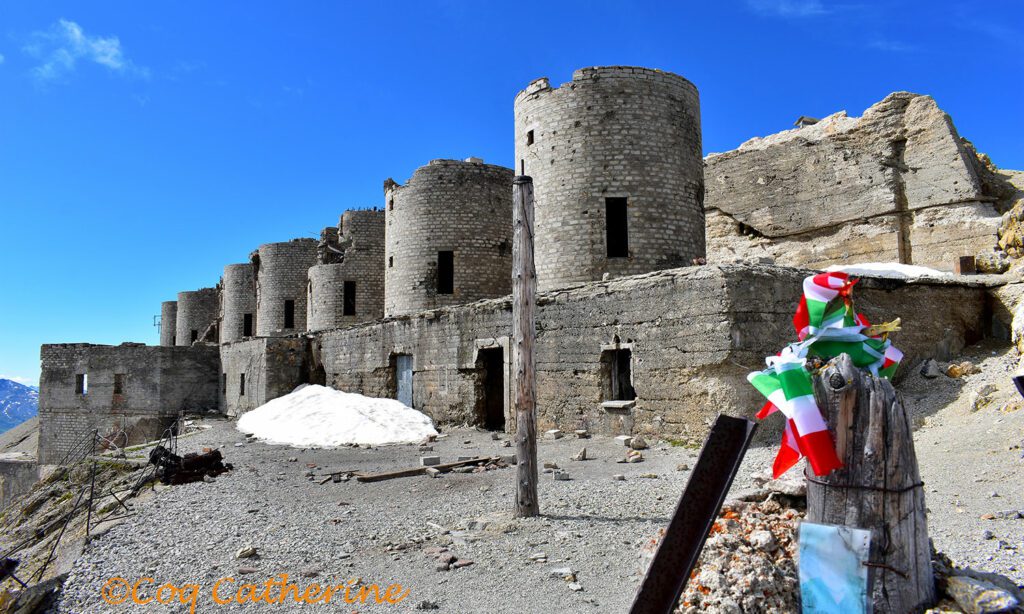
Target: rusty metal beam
{"type": "Point", "coordinates": [696, 511]}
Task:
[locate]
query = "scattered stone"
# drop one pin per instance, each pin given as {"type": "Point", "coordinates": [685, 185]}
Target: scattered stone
{"type": "Point", "coordinates": [239, 444]}
{"type": "Point", "coordinates": [495, 436]}
{"type": "Point", "coordinates": [682, 467]}
{"type": "Point", "coordinates": [553, 434]}
{"type": "Point", "coordinates": [427, 605]}
{"type": "Point", "coordinates": [624, 440]}
{"type": "Point", "coordinates": [763, 540]}
{"type": "Point", "coordinates": [618, 477]}
{"type": "Point", "coordinates": [561, 475]}
{"type": "Point", "coordinates": [246, 552]}
{"type": "Point", "coordinates": [582, 434]}
{"type": "Point", "coordinates": [507, 444]}
{"type": "Point", "coordinates": [293, 459]}
{"type": "Point", "coordinates": [961, 369]}
{"type": "Point", "coordinates": [581, 455]}
{"type": "Point", "coordinates": [247, 570]}
{"type": "Point", "coordinates": [466, 458]}
{"type": "Point", "coordinates": [310, 573]}
{"type": "Point", "coordinates": [539, 557]}
{"type": "Point", "coordinates": [563, 573]}
{"type": "Point", "coordinates": [1005, 545]}
{"type": "Point", "coordinates": [930, 369]}
{"type": "Point", "coordinates": [434, 473]}
{"type": "Point", "coordinates": [986, 534]}
{"type": "Point", "coordinates": [460, 563]}
{"type": "Point", "coordinates": [633, 456]}
{"type": "Point", "coordinates": [638, 443]}
{"type": "Point", "coordinates": [648, 476]}
{"type": "Point", "coordinates": [994, 262]}
{"type": "Point", "coordinates": [550, 465]}
{"type": "Point", "coordinates": [575, 586]}
{"type": "Point", "coordinates": [508, 459]}
{"type": "Point", "coordinates": [429, 461]}
{"type": "Point", "coordinates": [976, 596]}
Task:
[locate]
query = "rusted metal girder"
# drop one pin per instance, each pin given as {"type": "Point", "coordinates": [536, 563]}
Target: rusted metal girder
{"type": "Point", "coordinates": [695, 513]}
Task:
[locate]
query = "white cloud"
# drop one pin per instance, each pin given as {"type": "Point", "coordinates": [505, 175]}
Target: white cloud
{"type": "Point", "coordinates": [62, 46]}
{"type": "Point", "coordinates": [1, 58]}
{"type": "Point", "coordinates": [21, 380]}
{"type": "Point", "coordinates": [788, 8]}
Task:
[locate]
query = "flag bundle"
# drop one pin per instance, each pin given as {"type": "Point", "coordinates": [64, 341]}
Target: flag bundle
{"type": "Point", "coordinates": [826, 326]}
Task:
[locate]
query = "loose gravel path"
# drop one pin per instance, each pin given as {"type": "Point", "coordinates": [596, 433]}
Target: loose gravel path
{"type": "Point", "coordinates": [600, 528]}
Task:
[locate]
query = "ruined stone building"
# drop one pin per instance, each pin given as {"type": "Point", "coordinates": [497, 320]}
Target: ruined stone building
{"type": "Point", "coordinates": [634, 332]}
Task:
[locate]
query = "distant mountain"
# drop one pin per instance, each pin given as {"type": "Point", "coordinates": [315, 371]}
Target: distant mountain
{"type": "Point", "coordinates": [18, 403]}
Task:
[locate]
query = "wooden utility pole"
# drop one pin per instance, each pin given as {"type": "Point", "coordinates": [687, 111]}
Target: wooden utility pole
{"type": "Point", "coordinates": [879, 487]}
{"type": "Point", "coordinates": [524, 298]}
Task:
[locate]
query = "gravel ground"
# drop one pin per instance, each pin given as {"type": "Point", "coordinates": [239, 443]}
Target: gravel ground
{"type": "Point", "coordinates": [600, 528]}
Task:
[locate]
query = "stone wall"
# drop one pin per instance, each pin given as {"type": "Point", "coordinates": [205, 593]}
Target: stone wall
{"type": "Point", "coordinates": [360, 261]}
{"type": "Point", "coordinates": [197, 310]}
{"type": "Point", "coordinates": [614, 132]}
{"type": "Point", "coordinates": [157, 383]}
{"type": "Point", "coordinates": [281, 275]}
{"type": "Point", "coordinates": [272, 366]}
{"type": "Point", "coordinates": [238, 299]}
{"type": "Point", "coordinates": [448, 205]}
{"type": "Point", "coordinates": [895, 185]}
{"type": "Point", "coordinates": [693, 333]}
{"type": "Point", "coordinates": [16, 478]}
{"type": "Point", "coordinates": [168, 323]}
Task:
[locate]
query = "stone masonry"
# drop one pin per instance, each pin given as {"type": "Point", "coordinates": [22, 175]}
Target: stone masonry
{"type": "Point", "coordinates": [614, 132]}
{"type": "Point", "coordinates": [197, 310]}
{"type": "Point", "coordinates": [168, 323]}
{"type": "Point", "coordinates": [455, 206]}
{"type": "Point", "coordinates": [357, 257]}
{"type": "Point", "coordinates": [282, 273]}
{"type": "Point", "coordinates": [895, 185]}
{"type": "Point", "coordinates": [238, 302]}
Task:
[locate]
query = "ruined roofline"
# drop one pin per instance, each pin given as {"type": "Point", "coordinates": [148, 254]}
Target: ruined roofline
{"type": "Point", "coordinates": [594, 73]}
{"type": "Point", "coordinates": [439, 165]}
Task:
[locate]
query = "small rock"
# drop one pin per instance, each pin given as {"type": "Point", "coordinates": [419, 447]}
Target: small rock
{"type": "Point", "coordinates": [466, 458]}
{"type": "Point", "coordinates": [618, 477]}
{"type": "Point", "coordinates": [427, 605]}
{"type": "Point", "coordinates": [428, 461]}
{"type": "Point", "coordinates": [986, 534]}
{"type": "Point", "coordinates": [994, 262]}
{"type": "Point", "coordinates": [930, 369]}
{"type": "Point", "coordinates": [239, 444]}
{"type": "Point", "coordinates": [638, 443]}
{"type": "Point", "coordinates": [246, 552]}
{"type": "Point", "coordinates": [763, 540]}
{"type": "Point", "coordinates": [575, 586]}
{"type": "Point", "coordinates": [961, 369]}
{"type": "Point", "coordinates": [539, 556]}
{"type": "Point", "coordinates": [460, 563]}
{"type": "Point", "coordinates": [624, 440]}
{"type": "Point", "coordinates": [247, 570]}
{"type": "Point", "coordinates": [977, 596]}
{"type": "Point", "coordinates": [209, 479]}
{"type": "Point", "coordinates": [507, 444]}
{"type": "Point", "coordinates": [293, 459]}
{"type": "Point", "coordinates": [682, 467]}
{"type": "Point", "coordinates": [434, 473]}
{"type": "Point", "coordinates": [562, 572]}
{"type": "Point", "coordinates": [550, 465]}
{"type": "Point", "coordinates": [495, 436]}
{"type": "Point", "coordinates": [310, 573]}
{"type": "Point", "coordinates": [648, 476]}
{"type": "Point", "coordinates": [508, 459]}
{"type": "Point", "coordinates": [553, 434]}
{"type": "Point", "coordinates": [561, 475]}
{"type": "Point", "coordinates": [581, 455]}
{"type": "Point", "coordinates": [582, 434]}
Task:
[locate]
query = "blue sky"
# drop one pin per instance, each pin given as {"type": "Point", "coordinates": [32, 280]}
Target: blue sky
{"type": "Point", "coordinates": [144, 145]}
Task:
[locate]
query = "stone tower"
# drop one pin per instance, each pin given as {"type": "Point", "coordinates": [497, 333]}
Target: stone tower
{"type": "Point", "coordinates": [448, 238]}
{"type": "Point", "coordinates": [618, 173]}
{"type": "Point", "coordinates": [238, 303]}
{"type": "Point", "coordinates": [197, 310]}
{"type": "Point", "coordinates": [168, 322]}
{"type": "Point", "coordinates": [281, 271]}
{"type": "Point", "coordinates": [347, 286]}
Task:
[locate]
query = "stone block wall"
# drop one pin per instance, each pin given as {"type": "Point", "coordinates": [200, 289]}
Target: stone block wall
{"type": "Point", "coordinates": [168, 323]}
{"type": "Point", "coordinates": [157, 383]}
{"type": "Point", "coordinates": [197, 310]}
{"type": "Point", "coordinates": [693, 334]}
{"type": "Point", "coordinates": [272, 366]}
{"type": "Point", "coordinates": [282, 275]}
{"type": "Point", "coordinates": [238, 299]}
{"type": "Point", "coordinates": [613, 132]}
{"type": "Point", "coordinates": [895, 185]}
{"type": "Point", "coordinates": [360, 261]}
{"type": "Point", "coordinates": [448, 205]}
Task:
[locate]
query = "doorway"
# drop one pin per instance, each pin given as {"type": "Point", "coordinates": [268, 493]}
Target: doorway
{"type": "Point", "coordinates": [491, 412]}
{"type": "Point", "coordinates": [403, 379]}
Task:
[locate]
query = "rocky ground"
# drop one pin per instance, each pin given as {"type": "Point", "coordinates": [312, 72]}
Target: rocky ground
{"type": "Point", "coordinates": [453, 544]}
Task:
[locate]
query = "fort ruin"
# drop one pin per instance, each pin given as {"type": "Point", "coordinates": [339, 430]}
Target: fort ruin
{"type": "Point", "coordinates": [665, 277]}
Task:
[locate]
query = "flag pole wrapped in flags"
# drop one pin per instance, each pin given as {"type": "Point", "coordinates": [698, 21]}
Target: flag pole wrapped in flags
{"type": "Point", "coordinates": [826, 326]}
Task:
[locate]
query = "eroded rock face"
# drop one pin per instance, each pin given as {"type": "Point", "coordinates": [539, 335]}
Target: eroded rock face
{"type": "Point", "coordinates": [897, 184]}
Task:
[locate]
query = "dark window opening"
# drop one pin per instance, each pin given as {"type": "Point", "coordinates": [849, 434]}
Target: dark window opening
{"type": "Point", "coordinates": [445, 272]}
{"type": "Point", "coordinates": [224, 383]}
{"type": "Point", "coordinates": [491, 389]}
{"type": "Point", "coordinates": [616, 227]}
{"type": "Point", "coordinates": [289, 314]}
{"type": "Point", "coordinates": [391, 261]}
{"type": "Point", "coordinates": [529, 138]}
{"type": "Point", "coordinates": [241, 384]}
{"type": "Point", "coordinates": [119, 379]}
{"type": "Point", "coordinates": [82, 384]}
{"type": "Point", "coordinates": [195, 335]}
{"type": "Point", "coordinates": [391, 204]}
{"type": "Point", "coordinates": [522, 167]}
{"type": "Point", "coordinates": [174, 340]}
{"type": "Point", "coordinates": [247, 325]}
{"type": "Point", "coordinates": [349, 308]}
{"type": "Point", "coordinates": [617, 376]}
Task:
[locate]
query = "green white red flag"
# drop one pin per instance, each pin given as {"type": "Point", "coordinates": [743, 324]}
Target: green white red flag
{"type": "Point", "coordinates": [826, 326]}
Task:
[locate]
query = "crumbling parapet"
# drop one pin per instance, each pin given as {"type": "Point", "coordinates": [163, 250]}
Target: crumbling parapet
{"type": "Point", "coordinates": [197, 310]}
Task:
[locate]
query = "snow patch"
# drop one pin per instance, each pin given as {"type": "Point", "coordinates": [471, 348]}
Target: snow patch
{"type": "Point", "coordinates": [893, 270]}
{"type": "Point", "coordinates": [317, 416]}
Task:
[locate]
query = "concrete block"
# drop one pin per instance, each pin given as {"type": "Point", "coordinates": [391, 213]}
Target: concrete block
{"type": "Point", "coordinates": [429, 461]}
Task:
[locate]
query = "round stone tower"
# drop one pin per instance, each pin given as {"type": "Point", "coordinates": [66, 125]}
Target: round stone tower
{"type": "Point", "coordinates": [347, 286]}
{"type": "Point", "coordinates": [238, 303]}
{"type": "Point", "coordinates": [197, 310]}
{"type": "Point", "coordinates": [618, 173]}
{"type": "Point", "coordinates": [168, 322]}
{"type": "Point", "coordinates": [281, 272]}
{"type": "Point", "coordinates": [448, 237]}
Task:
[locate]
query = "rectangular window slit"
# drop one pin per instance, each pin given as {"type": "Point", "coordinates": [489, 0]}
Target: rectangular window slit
{"type": "Point", "coordinates": [119, 383]}
{"type": "Point", "coordinates": [529, 138]}
{"type": "Point", "coordinates": [82, 384]}
{"type": "Point", "coordinates": [349, 308]}
{"type": "Point", "coordinates": [616, 227]}
{"type": "Point", "coordinates": [289, 314]}
{"type": "Point", "coordinates": [247, 325]}
{"type": "Point", "coordinates": [241, 384]}
{"type": "Point", "coordinates": [617, 376]}
{"type": "Point", "coordinates": [195, 336]}
{"type": "Point", "coordinates": [445, 272]}
{"type": "Point", "coordinates": [391, 261]}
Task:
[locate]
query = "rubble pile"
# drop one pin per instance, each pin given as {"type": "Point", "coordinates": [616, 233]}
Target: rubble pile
{"type": "Point", "coordinates": [749, 560]}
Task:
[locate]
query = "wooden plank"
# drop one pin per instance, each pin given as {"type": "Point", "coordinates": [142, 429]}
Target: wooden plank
{"type": "Point", "coordinates": [403, 473]}
{"type": "Point", "coordinates": [524, 332]}
{"type": "Point", "coordinates": [695, 514]}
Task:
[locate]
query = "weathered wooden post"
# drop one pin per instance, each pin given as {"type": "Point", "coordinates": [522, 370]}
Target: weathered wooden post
{"type": "Point", "coordinates": [879, 487]}
{"type": "Point", "coordinates": [524, 297]}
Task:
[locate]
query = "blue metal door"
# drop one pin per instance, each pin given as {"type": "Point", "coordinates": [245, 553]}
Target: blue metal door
{"type": "Point", "coordinates": [403, 366]}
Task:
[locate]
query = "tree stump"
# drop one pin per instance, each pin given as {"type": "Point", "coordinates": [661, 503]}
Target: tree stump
{"type": "Point", "coordinates": [879, 487]}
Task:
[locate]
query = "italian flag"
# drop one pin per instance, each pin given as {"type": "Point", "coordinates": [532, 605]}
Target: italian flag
{"type": "Point", "coordinates": [826, 326]}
